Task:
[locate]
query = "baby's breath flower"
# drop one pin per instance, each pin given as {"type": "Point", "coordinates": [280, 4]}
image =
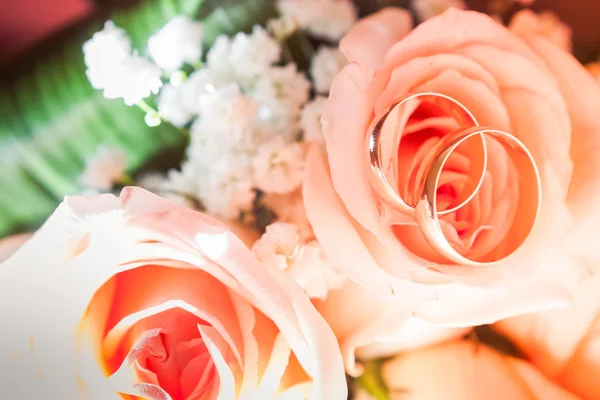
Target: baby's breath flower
{"type": "Point", "coordinates": [245, 57]}
{"type": "Point", "coordinates": [329, 19]}
{"type": "Point", "coordinates": [281, 92]}
{"type": "Point", "coordinates": [279, 166]}
{"type": "Point", "coordinates": [180, 104]}
{"type": "Point", "coordinates": [325, 65]}
{"type": "Point", "coordinates": [284, 84]}
{"type": "Point", "coordinates": [219, 55]}
{"type": "Point", "coordinates": [112, 67]}
{"type": "Point", "coordinates": [138, 79]}
{"type": "Point", "coordinates": [104, 53]}
{"type": "Point", "coordinates": [282, 247]}
{"type": "Point", "coordinates": [252, 55]}
{"type": "Point", "coordinates": [427, 9]}
{"type": "Point", "coordinates": [172, 107]}
{"type": "Point", "coordinates": [311, 120]}
{"type": "Point", "coordinates": [178, 42]}
{"type": "Point", "coordinates": [105, 168]}
{"type": "Point", "coordinates": [227, 108]}
{"type": "Point", "coordinates": [279, 245]}
{"type": "Point", "coordinates": [314, 273]}
{"type": "Point", "coordinates": [226, 188]}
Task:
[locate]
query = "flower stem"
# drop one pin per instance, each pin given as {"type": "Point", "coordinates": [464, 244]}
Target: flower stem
{"type": "Point", "coordinates": [145, 107]}
{"type": "Point", "coordinates": [148, 109]}
{"type": "Point", "coordinates": [372, 382]}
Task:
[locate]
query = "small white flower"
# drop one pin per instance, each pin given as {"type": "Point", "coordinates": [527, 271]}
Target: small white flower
{"type": "Point", "coordinates": [279, 166]}
{"type": "Point", "coordinates": [226, 188]}
{"type": "Point", "coordinates": [178, 42]}
{"type": "Point", "coordinates": [209, 146]}
{"type": "Point", "coordinates": [112, 67]}
{"type": "Point", "coordinates": [427, 9]}
{"type": "Point", "coordinates": [310, 120]}
{"type": "Point", "coordinates": [283, 84]}
{"type": "Point", "coordinates": [252, 55]}
{"type": "Point", "coordinates": [314, 273]}
{"type": "Point", "coordinates": [325, 65]}
{"type": "Point", "coordinates": [136, 79]}
{"type": "Point", "coordinates": [281, 93]}
{"type": "Point", "coordinates": [227, 105]}
{"type": "Point", "coordinates": [104, 53]}
{"type": "Point", "coordinates": [245, 57]}
{"type": "Point", "coordinates": [219, 55]}
{"type": "Point", "coordinates": [105, 168]}
{"type": "Point", "coordinates": [329, 19]}
{"type": "Point", "coordinates": [281, 247]}
{"type": "Point", "coordinates": [179, 104]}
{"type": "Point", "coordinates": [172, 107]}
{"type": "Point", "coordinates": [201, 82]}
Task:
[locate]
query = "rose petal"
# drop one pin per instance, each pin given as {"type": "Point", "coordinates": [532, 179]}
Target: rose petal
{"type": "Point", "coordinates": [227, 383]}
{"type": "Point", "coordinates": [450, 31]}
{"type": "Point", "coordinates": [581, 94]}
{"type": "Point", "coordinates": [464, 370]}
{"type": "Point", "coordinates": [563, 343]}
{"type": "Point", "coordinates": [370, 39]}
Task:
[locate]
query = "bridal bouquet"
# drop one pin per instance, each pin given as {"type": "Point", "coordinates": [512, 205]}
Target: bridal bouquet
{"type": "Point", "coordinates": [397, 206]}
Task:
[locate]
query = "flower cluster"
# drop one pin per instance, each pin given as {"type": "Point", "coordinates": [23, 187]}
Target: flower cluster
{"type": "Point", "coordinates": [301, 270]}
{"type": "Point", "coordinates": [249, 116]}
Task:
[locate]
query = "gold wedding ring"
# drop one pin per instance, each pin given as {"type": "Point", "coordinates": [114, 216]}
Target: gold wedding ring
{"type": "Point", "coordinates": [423, 207]}
{"type": "Point", "coordinates": [385, 130]}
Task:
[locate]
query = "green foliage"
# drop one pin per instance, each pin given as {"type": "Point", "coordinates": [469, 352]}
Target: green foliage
{"type": "Point", "coordinates": [51, 119]}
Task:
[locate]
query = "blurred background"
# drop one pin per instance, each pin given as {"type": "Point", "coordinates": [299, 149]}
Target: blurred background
{"type": "Point", "coordinates": [24, 22]}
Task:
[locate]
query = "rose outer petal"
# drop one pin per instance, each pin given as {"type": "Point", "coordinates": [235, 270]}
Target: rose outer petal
{"type": "Point", "coordinates": [370, 39]}
{"type": "Point", "coordinates": [462, 369]}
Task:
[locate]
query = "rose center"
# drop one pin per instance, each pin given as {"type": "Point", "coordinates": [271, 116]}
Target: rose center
{"type": "Point", "coordinates": [176, 358]}
{"type": "Point", "coordinates": [472, 229]}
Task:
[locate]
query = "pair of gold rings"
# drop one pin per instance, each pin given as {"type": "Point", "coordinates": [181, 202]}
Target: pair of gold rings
{"type": "Point", "coordinates": [383, 141]}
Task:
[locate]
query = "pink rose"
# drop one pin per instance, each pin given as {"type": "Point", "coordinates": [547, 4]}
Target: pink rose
{"type": "Point", "coordinates": [565, 343]}
{"type": "Point", "coordinates": [137, 295]}
{"type": "Point", "coordinates": [525, 86]}
{"type": "Point", "coordinates": [465, 370]}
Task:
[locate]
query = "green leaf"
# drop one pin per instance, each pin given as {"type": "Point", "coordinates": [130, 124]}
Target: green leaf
{"type": "Point", "coordinates": [51, 119]}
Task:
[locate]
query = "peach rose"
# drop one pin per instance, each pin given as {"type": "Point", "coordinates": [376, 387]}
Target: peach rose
{"type": "Point", "coordinates": [565, 343]}
{"type": "Point", "coordinates": [526, 86]}
{"type": "Point", "coordinates": [465, 370]}
{"type": "Point", "coordinates": [138, 297]}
